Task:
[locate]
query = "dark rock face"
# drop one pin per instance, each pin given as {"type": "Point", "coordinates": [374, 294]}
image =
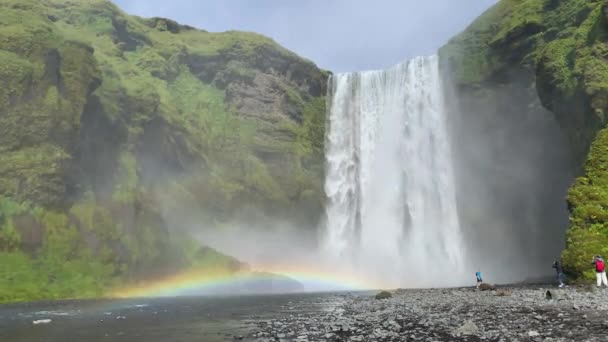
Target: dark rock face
{"type": "Point", "coordinates": [531, 65]}
{"type": "Point", "coordinates": [513, 166]}
{"type": "Point", "coordinates": [261, 99]}
{"type": "Point", "coordinates": [31, 232]}
{"type": "Point", "coordinates": [164, 24]}
{"type": "Point", "coordinates": [267, 84]}
{"type": "Point", "coordinates": [574, 111]}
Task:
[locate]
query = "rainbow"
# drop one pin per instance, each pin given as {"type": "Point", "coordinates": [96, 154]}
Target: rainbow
{"type": "Point", "coordinates": [196, 282]}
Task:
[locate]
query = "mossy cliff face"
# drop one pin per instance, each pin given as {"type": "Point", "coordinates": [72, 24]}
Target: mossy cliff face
{"type": "Point", "coordinates": [552, 53]}
{"type": "Point", "coordinates": [110, 123]}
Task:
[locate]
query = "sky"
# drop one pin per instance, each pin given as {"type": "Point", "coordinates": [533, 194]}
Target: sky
{"type": "Point", "coordinates": [338, 35]}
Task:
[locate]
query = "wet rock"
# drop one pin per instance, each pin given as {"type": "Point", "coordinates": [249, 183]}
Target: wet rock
{"type": "Point", "coordinates": [384, 295]}
{"type": "Point", "coordinates": [487, 287]}
{"type": "Point", "coordinates": [503, 293]}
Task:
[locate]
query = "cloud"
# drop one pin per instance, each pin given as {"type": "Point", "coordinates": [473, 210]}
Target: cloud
{"type": "Point", "coordinates": [339, 35]}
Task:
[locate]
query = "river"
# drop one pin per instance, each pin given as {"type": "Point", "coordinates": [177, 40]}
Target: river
{"type": "Point", "coordinates": [176, 319]}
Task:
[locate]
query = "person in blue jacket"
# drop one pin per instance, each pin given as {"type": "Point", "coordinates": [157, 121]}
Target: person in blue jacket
{"type": "Point", "coordinates": [479, 280]}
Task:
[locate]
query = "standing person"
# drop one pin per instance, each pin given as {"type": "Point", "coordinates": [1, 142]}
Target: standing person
{"type": "Point", "coordinates": [479, 280]}
{"type": "Point", "coordinates": [560, 273]}
{"type": "Point", "coordinates": [600, 271]}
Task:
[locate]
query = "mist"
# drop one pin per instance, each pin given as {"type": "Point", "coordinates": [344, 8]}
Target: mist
{"type": "Point", "coordinates": [512, 166]}
{"type": "Point", "coordinates": [275, 246]}
{"type": "Point", "coordinates": [510, 163]}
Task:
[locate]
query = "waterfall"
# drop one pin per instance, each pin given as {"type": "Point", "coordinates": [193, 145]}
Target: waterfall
{"type": "Point", "coordinates": [391, 211]}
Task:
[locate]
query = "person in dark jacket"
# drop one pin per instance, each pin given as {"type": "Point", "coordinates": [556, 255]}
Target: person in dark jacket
{"type": "Point", "coordinates": [560, 273]}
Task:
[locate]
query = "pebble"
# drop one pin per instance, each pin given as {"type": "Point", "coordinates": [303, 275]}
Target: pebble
{"type": "Point", "coordinates": [442, 315]}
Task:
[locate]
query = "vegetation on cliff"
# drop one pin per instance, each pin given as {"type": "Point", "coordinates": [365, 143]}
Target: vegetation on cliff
{"type": "Point", "coordinates": [559, 50]}
{"type": "Point", "coordinates": [113, 126]}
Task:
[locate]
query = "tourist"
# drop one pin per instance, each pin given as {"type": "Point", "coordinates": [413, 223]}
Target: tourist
{"type": "Point", "coordinates": [479, 280]}
{"type": "Point", "coordinates": [600, 271]}
{"type": "Point", "coordinates": [560, 273]}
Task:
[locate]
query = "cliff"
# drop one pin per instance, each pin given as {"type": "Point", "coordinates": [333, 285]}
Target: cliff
{"type": "Point", "coordinates": [113, 128]}
{"type": "Point", "coordinates": [523, 59]}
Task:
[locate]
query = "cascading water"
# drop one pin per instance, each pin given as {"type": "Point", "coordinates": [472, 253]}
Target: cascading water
{"type": "Point", "coordinates": [391, 212]}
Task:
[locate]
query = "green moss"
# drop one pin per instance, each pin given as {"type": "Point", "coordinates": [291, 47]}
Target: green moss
{"type": "Point", "coordinates": [34, 174]}
{"type": "Point", "coordinates": [127, 181]}
{"type": "Point", "coordinates": [78, 257]}
{"type": "Point", "coordinates": [103, 116]}
{"type": "Point", "coordinates": [45, 83]}
{"type": "Point", "coordinates": [522, 18]}
{"type": "Point", "coordinates": [15, 74]}
{"type": "Point", "coordinates": [63, 268]}
{"type": "Point", "coordinates": [148, 59]}
{"type": "Point", "coordinates": [588, 203]}
{"type": "Point", "coordinates": [314, 127]}
{"type": "Point", "coordinates": [84, 211]}
{"type": "Point", "coordinates": [9, 238]}
{"type": "Point", "coordinates": [558, 61]}
{"type": "Point", "coordinates": [517, 33]}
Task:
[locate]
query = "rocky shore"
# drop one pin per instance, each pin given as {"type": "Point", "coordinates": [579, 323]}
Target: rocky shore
{"type": "Point", "coordinates": [460, 314]}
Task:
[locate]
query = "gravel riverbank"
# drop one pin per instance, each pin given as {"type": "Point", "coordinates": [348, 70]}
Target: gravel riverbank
{"type": "Point", "coordinates": [463, 314]}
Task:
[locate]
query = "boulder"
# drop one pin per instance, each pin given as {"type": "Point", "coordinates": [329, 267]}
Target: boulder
{"type": "Point", "coordinates": [487, 287]}
{"type": "Point", "coordinates": [504, 293]}
{"type": "Point", "coordinates": [384, 295]}
{"type": "Point", "coordinates": [555, 295]}
{"type": "Point", "coordinates": [467, 328]}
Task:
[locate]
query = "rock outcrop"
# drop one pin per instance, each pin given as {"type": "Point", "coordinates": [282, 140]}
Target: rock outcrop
{"type": "Point", "coordinates": [525, 60]}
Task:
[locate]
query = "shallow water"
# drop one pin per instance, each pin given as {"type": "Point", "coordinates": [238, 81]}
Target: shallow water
{"type": "Point", "coordinates": [151, 319]}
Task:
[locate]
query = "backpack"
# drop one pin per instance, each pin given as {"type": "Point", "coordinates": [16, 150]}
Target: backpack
{"type": "Point", "coordinates": [599, 266]}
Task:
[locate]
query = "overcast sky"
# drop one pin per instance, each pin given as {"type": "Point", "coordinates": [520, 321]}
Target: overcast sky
{"type": "Point", "coordinates": [339, 35]}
